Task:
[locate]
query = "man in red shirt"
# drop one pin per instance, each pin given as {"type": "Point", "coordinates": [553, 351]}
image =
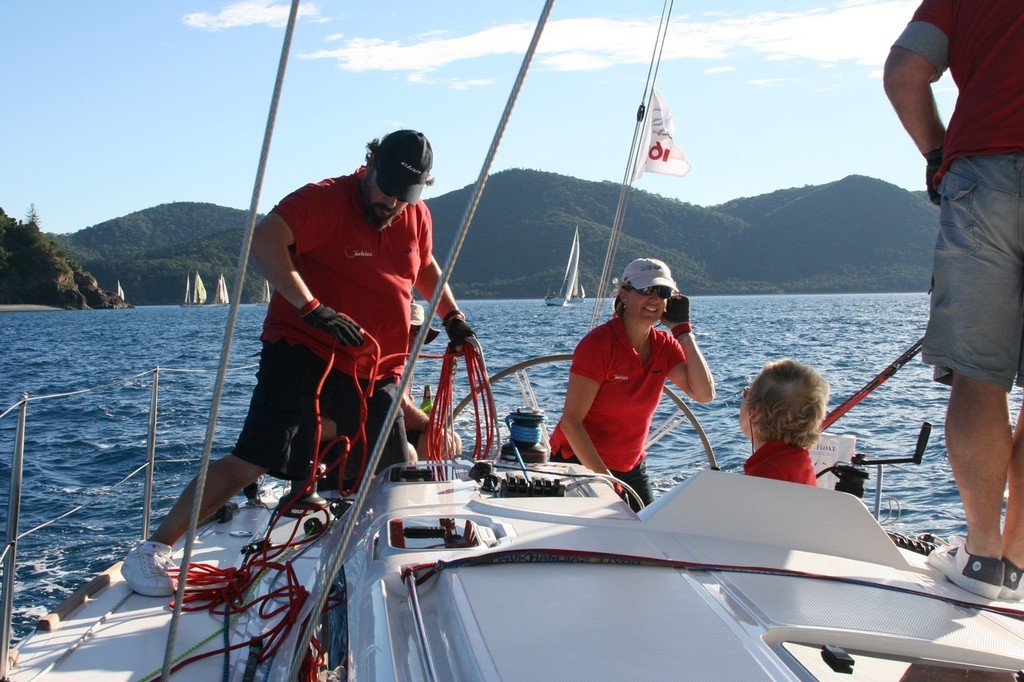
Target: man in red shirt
{"type": "Point", "coordinates": [975, 173]}
{"type": "Point", "coordinates": [357, 244]}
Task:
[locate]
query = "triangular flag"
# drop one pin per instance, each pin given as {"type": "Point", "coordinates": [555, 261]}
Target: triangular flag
{"type": "Point", "coordinates": [659, 152]}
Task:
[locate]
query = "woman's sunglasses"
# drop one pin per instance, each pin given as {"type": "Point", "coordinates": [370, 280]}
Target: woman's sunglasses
{"type": "Point", "coordinates": [662, 291]}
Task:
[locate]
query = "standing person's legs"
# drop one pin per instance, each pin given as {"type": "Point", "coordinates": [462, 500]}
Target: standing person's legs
{"type": "Point", "coordinates": [978, 440]}
{"type": "Point", "coordinates": [271, 439]}
{"type": "Point", "coordinates": [1013, 530]}
{"type": "Point", "coordinates": [974, 342]}
{"type": "Point", "coordinates": [225, 477]}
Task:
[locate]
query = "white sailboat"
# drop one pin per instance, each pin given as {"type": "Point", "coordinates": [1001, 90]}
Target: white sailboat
{"type": "Point", "coordinates": [265, 298]}
{"type": "Point", "coordinates": [195, 291]}
{"type": "Point", "coordinates": [120, 291]}
{"type": "Point", "coordinates": [571, 287]}
{"type": "Point", "coordinates": [220, 295]}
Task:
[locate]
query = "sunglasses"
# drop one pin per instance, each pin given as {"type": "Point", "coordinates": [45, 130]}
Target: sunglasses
{"type": "Point", "coordinates": [661, 290]}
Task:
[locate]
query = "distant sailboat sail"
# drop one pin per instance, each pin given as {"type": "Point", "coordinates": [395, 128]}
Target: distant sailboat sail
{"type": "Point", "coordinates": [265, 299]}
{"type": "Point", "coordinates": [571, 287]}
{"type": "Point", "coordinates": [195, 292]}
{"type": "Point", "coordinates": [120, 291]}
{"type": "Point", "coordinates": [220, 296]}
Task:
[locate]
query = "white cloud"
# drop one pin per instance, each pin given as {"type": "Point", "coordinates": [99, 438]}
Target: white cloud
{"type": "Point", "coordinates": [855, 32]}
{"type": "Point", "coordinates": [719, 69]}
{"type": "Point", "coordinates": [248, 13]}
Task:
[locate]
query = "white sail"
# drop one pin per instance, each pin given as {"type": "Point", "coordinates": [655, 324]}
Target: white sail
{"type": "Point", "coordinates": [195, 292]}
{"type": "Point", "coordinates": [265, 299]}
{"type": "Point", "coordinates": [571, 281]}
{"type": "Point", "coordinates": [120, 291]}
{"type": "Point", "coordinates": [220, 296]}
{"type": "Point", "coordinates": [198, 291]}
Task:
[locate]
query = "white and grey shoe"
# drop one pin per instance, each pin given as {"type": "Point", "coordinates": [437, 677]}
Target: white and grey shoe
{"type": "Point", "coordinates": [979, 575]}
{"type": "Point", "coordinates": [1013, 586]}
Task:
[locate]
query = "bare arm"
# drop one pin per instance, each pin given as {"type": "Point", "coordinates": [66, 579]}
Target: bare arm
{"type": "Point", "coordinates": [579, 396]}
{"type": "Point", "coordinates": [907, 79]}
{"type": "Point", "coordinates": [270, 242]}
{"type": "Point", "coordinates": [426, 282]}
{"type": "Point", "coordinates": [694, 375]}
{"type": "Point", "coordinates": [415, 419]}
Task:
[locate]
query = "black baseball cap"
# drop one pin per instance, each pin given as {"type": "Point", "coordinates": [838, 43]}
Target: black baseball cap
{"type": "Point", "coordinates": [402, 163]}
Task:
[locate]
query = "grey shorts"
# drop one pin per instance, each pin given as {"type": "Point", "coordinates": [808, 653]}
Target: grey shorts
{"type": "Point", "coordinates": [977, 301]}
{"type": "Point", "coordinates": [279, 429]}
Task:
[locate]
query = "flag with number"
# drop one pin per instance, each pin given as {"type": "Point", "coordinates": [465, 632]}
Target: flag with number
{"type": "Point", "coordinates": [659, 152]}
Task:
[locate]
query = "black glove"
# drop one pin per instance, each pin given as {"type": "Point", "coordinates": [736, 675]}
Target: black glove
{"type": "Point", "coordinates": [934, 160]}
{"type": "Point", "coordinates": [458, 330]}
{"type": "Point", "coordinates": [342, 328]}
{"type": "Point", "coordinates": [677, 310]}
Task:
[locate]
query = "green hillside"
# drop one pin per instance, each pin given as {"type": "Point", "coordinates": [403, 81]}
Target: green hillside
{"type": "Point", "coordinates": [857, 234]}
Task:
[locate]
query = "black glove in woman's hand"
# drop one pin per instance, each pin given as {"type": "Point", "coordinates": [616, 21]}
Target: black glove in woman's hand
{"type": "Point", "coordinates": [677, 310]}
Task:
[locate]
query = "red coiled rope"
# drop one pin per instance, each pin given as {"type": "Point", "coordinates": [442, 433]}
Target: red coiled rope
{"type": "Point", "coordinates": [483, 406]}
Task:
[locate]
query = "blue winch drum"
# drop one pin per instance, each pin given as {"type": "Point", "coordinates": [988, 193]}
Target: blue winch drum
{"type": "Point", "coordinates": [526, 434]}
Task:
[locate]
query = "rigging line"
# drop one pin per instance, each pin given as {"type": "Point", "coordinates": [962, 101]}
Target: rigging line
{"type": "Point", "coordinates": [880, 379]}
{"type": "Point", "coordinates": [31, 399]}
{"type": "Point", "coordinates": [95, 498]}
{"type": "Point", "coordinates": [116, 382]}
{"type": "Point", "coordinates": [326, 577]}
{"type": "Point", "coordinates": [200, 484]}
{"type": "Point", "coordinates": [604, 283]}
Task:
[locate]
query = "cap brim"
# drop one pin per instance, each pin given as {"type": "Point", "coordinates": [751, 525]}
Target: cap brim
{"type": "Point", "coordinates": [398, 189]}
{"type": "Point", "coordinates": [643, 283]}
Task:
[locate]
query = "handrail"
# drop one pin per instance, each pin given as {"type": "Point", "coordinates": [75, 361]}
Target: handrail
{"type": "Point", "coordinates": [13, 511]}
{"type": "Point", "coordinates": [8, 555]}
{"type": "Point", "coordinates": [426, 660]}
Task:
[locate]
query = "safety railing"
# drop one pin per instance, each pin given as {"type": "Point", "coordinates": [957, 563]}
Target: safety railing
{"type": "Point", "coordinates": [9, 553]}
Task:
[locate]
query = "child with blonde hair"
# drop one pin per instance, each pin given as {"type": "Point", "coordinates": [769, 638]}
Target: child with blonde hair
{"type": "Point", "coordinates": [781, 414]}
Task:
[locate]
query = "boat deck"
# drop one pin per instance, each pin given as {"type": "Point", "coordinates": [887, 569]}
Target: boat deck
{"type": "Point", "coordinates": [724, 577]}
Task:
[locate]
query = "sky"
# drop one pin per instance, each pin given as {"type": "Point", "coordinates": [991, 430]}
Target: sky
{"type": "Point", "coordinates": [115, 106]}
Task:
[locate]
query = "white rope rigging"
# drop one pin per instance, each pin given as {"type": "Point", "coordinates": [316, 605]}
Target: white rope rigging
{"type": "Point", "coordinates": [604, 283]}
{"type": "Point", "coordinates": [243, 258]}
{"type": "Point", "coordinates": [326, 578]}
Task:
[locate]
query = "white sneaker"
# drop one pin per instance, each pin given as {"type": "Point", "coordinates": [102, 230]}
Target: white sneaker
{"type": "Point", "coordinates": [145, 569]}
{"type": "Point", "coordinates": [979, 575]}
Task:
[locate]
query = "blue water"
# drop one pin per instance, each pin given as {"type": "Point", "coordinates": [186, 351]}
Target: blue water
{"type": "Point", "coordinates": [78, 446]}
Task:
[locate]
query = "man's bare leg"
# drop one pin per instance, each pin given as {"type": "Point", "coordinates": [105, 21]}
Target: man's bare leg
{"type": "Point", "coordinates": [225, 477]}
{"type": "Point", "coordinates": [978, 439]}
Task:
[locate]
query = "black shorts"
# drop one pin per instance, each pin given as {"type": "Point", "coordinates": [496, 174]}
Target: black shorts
{"type": "Point", "coordinates": [280, 427]}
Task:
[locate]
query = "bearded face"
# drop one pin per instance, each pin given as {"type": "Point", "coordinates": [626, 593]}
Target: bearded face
{"type": "Point", "coordinates": [378, 208]}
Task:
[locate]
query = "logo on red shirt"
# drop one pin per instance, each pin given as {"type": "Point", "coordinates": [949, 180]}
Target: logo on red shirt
{"type": "Point", "coordinates": [612, 376]}
{"type": "Point", "coordinates": [353, 252]}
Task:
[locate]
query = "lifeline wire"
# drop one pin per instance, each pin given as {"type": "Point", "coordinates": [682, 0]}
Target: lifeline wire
{"type": "Point", "coordinates": [327, 577]}
{"type": "Point", "coordinates": [243, 258]}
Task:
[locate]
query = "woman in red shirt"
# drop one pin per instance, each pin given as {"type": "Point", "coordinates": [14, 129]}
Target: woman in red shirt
{"type": "Point", "coordinates": [781, 414]}
{"type": "Point", "coordinates": [618, 372]}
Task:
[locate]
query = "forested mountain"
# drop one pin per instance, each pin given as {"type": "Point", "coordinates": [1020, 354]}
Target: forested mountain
{"type": "Point", "coordinates": [857, 234]}
{"type": "Point", "coordinates": [33, 271]}
{"type": "Point", "coordinates": [853, 235]}
{"type": "Point", "coordinates": [151, 251]}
